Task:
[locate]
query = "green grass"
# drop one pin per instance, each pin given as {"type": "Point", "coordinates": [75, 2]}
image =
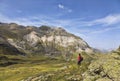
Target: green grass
{"type": "Point", "coordinates": [28, 66]}
{"type": "Point", "coordinates": [34, 66]}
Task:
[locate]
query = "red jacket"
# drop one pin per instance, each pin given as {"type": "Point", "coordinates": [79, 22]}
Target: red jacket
{"type": "Point", "coordinates": [79, 58]}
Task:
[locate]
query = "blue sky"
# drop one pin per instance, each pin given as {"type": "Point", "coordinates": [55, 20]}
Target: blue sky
{"type": "Point", "coordinates": [96, 21]}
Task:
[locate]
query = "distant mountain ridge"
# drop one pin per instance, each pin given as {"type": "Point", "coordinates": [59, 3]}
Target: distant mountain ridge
{"type": "Point", "coordinates": [42, 40]}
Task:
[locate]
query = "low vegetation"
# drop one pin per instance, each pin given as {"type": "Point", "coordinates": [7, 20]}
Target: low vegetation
{"type": "Point", "coordinates": [94, 67]}
{"type": "Point", "coordinates": [31, 67]}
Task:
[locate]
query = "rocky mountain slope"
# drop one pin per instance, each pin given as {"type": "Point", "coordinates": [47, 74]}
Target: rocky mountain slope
{"type": "Point", "coordinates": [41, 40]}
{"type": "Point", "coordinates": [8, 49]}
{"type": "Point", "coordinates": [106, 67]}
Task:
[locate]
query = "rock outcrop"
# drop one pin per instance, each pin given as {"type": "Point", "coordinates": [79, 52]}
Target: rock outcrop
{"type": "Point", "coordinates": [42, 40]}
{"type": "Point", "coordinates": [105, 68]}
{"type": "Point", "coordinates": [8, 49]}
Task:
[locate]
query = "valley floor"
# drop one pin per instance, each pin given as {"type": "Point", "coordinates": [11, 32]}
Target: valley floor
{"type": "Point", "coordinates": [40, 68]}
{"type": "Point", "coordinates": [29, 67]}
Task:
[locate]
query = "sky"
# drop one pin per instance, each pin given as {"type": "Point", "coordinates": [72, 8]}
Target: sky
{"type": "Point", "coordinates": [95, 21]}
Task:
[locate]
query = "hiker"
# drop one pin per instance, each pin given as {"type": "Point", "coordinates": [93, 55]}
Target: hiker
{"type": "Point", "coordinates": [80, 58]}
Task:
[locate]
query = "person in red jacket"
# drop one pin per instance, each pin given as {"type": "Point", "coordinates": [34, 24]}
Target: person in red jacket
{"type": "Point", "coordinates": [80, 58]}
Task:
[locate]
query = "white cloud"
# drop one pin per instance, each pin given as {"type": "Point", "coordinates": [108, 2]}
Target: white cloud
{"type": "Point", "coordinates": [35, 20]}
{"type": "Point", "coordinates": [110, 19]}
{"type": "Point", "coordinates": [61, 6]}
{"type": "Point", "coordinates": [73, 24]}
{"type": "Point", "coordinates": [106, 21]}
{"type": "Point", "coordinates": [64, 8]}
{"type": "Point", "coordinates": [104, 30]}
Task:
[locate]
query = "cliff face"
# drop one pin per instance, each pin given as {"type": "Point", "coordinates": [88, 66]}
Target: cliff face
{"type": "Point", "coordinates": [42, 40]}
{"type": "Point", "coordinates": [8, 49]}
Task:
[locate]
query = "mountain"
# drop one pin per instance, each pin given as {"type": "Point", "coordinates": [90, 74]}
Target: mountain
{"type": "Point", "coordinates": [41, 40]}
{"type": "Point", "coordinates": [8, 49]}
{"type": "Point", "coordinates": [17, 42]}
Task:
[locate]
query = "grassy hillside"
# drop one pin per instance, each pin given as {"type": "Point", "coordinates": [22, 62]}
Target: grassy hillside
{"type": "Point", "coordinates": [32, 67]}
{"type": "Point", "coordinates": [101, 67]}
{"type": "Point", "coordinates": [27, 66]}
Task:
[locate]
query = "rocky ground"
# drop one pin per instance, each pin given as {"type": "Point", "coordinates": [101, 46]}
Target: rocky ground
{"type": "Point", "coordinates": [105, 67]}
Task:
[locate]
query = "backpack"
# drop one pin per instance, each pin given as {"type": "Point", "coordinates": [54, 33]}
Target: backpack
{"type": "Point", "coordinates": [81, 59]}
